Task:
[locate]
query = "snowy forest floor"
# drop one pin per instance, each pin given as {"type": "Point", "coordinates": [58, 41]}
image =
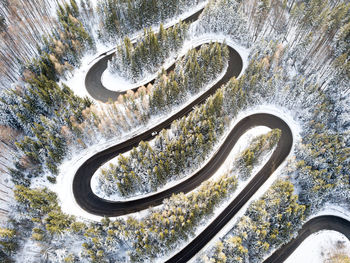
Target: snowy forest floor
{"type": "Point", "coordinates": [322, 246]}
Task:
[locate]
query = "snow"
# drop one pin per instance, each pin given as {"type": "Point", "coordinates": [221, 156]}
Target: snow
{"type": "Point", "coordinates": [319, 246]}
{"type": "Point", "coordinates": [314, 249]}
{"type": "Point", "coordinates": [53, 8]}
{"type": "Point", "coordinates": [29, 252]}
{"type": "Point", "coordinates": [93, 3]}
{"type": "Point", "coordinates": [114, 82]}
{"type": "Point", "coordinates": [6, 186]}
{"type": "Point", "coordinates": [283, 113]}
{"type": "Point", "coordinates": [63, 186]}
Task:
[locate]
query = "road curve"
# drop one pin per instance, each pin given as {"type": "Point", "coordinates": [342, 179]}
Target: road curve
{"type": "Point", "coordinates": [326, 222]}
{"type": "Point", "coordinates": [93, 77]}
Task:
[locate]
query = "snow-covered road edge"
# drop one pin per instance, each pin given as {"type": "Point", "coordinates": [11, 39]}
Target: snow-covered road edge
{"type": "Point", "coordinates": [322, 242]}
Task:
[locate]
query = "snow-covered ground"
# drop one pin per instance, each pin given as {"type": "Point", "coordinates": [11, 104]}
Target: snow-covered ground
{"type": "Point", "coordinates": [6, 185]}
{"type": "Point", "coordinates": [76, 81]}
{"type": "Point", "coordinates": [30, 251]}
{"type": "Point", "coordinates": [321, 246]}
{"type": "Point", "coordinates": [6, 196]}
{"type": "Point", "coordinates": [332, 209]}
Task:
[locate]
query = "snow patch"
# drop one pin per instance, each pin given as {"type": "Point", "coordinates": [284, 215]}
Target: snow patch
{"type": "Point", "coordinates": [319, 246]}
{"type": "Point", "coordinates": [283, 113]}
{"type": "Point", "coordinates": [7, 200]}
{"type": "Point", "coordinates": [29, 252]}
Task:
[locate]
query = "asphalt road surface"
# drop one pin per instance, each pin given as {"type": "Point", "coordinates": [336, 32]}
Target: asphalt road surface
{"type": "Point", "coordinates": [95, 205]}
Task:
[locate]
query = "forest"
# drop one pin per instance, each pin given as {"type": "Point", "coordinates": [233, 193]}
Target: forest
{"type": "Point", "coordinates": [123, 17]}
{"type": "Point", "coordinates": [298, 62]}
{"type": "Point", "coordinates": [133, 61]}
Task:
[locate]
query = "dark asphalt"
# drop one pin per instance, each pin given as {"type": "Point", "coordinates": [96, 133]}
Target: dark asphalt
{"type": "Point", "coordinates": [314, 225]}
{"type": "Point", "coordinates": [95, 205]}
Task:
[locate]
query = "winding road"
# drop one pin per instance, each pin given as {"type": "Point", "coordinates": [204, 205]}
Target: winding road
{"type": "Point", "coordinates": [95, 205]}
{"type": "Point", "coordinates": [85, 197]}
